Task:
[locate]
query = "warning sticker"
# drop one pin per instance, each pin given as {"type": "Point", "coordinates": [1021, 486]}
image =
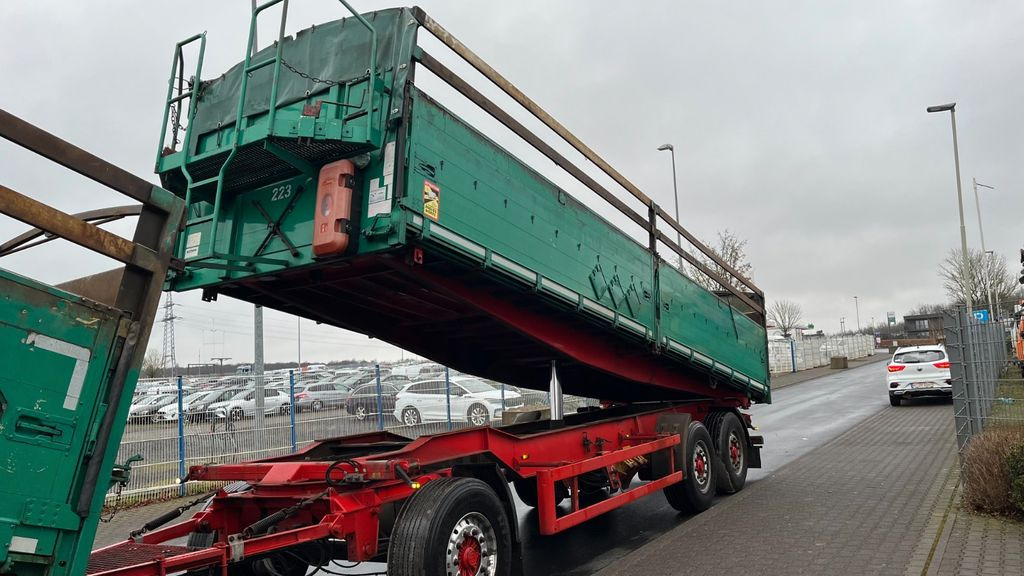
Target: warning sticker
{"type": "Point", "coordinates": [192, 242]}
{"type": "Point", "coordinates": [431, 200]}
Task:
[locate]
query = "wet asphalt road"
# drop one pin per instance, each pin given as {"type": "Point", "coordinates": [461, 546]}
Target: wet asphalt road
{"type": "Point", "coordinates": [802, 417]}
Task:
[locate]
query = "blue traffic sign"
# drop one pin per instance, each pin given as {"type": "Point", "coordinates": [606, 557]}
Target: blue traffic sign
{"type": "Point", "coordinates": [982, 316]}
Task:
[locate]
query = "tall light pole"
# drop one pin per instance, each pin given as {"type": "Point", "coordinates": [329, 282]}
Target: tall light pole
{"type": "Point", "coordinates": [984, 253]}
{"type": "Point", "coordinates": [675, 188]}
{"type": "Point", "coordinates": [951, 108]}
{"type": "Point", "coordinates": [842, 325]}
{"type": "Point", "coordinates": [856, 305]}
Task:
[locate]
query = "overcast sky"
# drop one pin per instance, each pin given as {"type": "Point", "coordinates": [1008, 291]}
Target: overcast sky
{"type": "Point", "coordinates": [800, 126]}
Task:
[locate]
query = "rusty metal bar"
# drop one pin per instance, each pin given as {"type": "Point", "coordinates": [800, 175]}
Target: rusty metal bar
{"type": "Point", "coordinates": [523, 132]}
{"type": "Point", "coordinates": [100, 216]}
{"type": "Point", "coordinates": [506, 86]}
{"type": "Point", "coordinates": [35, 213]}
{"type": "Point", "coordinates": [74, 158]}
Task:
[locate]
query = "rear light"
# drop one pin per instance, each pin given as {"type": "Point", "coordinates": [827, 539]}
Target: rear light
{"type": "Point", "coordinates": [895, 367]}
{"type": "Point", "coordinates": [301, 396]}
{"type": "Point", "coordinates": [943, 365]}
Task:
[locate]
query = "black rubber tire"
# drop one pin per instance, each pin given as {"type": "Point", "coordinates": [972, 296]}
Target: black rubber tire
{"type": "Point", "coordinates": [895, 400]}
{"type": "Point", "coordinates": [420, 540]}
{"type": "Point", "coordinates": [236, 414]}
{"type": "Point", "coordinates": [692, 495]}
{"type": "Point", "coordinates": [478, 407]}
{"type": "Point", "coordinates": [526, 489]}
{"type": "Point", "coordinates": [317, 405]}
{"type": "Point", "coordinates": [361, 412]}
{"type": "Point", "coordinates": [411, 416]}
{"type": "Point", "coordinates": [733, 474]}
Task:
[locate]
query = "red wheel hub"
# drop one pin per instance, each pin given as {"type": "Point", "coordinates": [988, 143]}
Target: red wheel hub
{"type": "Point", "coordinates": [734, 452]}
{"type": "Point", "coordinates": [698, 466]}
{"type": "Point", "coordinates": [469, 557]}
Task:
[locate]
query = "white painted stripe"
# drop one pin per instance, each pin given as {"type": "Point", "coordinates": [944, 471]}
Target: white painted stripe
{"type": "Point", "coordinates": [81, 356]}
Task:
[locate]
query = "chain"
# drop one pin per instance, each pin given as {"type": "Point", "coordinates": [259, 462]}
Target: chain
{"type": "Point", "coordinates": [309, 77]}
{"type": "Point", "coordinates": [116, 507]}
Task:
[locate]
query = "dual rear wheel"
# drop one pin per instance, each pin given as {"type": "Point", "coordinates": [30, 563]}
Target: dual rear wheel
{"type": "Point", "coordinates": [715, 460]}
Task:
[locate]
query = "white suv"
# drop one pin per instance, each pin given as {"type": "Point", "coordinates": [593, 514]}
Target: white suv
{"type": "Point", "coordinates": [472, 401]}
{"type": "Point", "coordinates": [917, 371]}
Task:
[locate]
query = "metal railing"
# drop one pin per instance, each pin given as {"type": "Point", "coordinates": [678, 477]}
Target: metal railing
{"type": "Point", "coordinates": [294, 415]}
{"type": "Point", "coordinates": [988, 388]}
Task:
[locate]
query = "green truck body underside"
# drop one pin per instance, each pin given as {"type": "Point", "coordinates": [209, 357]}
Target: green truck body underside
{"type": "Point", "coordinates": [501, 273]}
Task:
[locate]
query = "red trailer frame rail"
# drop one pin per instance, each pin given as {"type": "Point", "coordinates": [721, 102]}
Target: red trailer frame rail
{"type": "Point", "coordinates": [339, 498]}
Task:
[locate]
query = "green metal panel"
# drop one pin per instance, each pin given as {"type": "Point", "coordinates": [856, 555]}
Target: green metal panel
{"type": "Point", "coordinates": [430, 179]}
{"type": "Point", "coordinates": [57, 352]}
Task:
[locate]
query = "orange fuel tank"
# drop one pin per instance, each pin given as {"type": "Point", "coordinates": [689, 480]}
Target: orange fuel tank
{"type": "Point", "coordinates": [333, 208]}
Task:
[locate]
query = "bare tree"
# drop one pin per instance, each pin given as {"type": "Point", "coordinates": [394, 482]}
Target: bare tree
{"type": "Point", "coordinates": [976, 275]}
{"type": "Point", "coordinates": [151, 363]}
{"type": "Point", "coordinates": [732, 250]}
{"type": "Point", "coordinates": [785, 315]}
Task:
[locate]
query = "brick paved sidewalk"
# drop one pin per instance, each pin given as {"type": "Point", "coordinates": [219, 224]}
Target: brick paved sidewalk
{"type": "Point", "coordinates": [869, 502]}
{"type": "Point", "coordinates": [981, 545]}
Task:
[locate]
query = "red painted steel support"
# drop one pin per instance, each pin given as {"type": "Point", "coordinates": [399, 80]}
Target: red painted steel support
{"type": "Point", "coordinates": [546, 479]}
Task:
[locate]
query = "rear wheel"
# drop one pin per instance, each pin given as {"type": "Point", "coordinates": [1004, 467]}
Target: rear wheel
{"type": "Point", "coordinates": [477, 415]}
{"type": "Point", "coordinates": [360, 412]}
{"type": "Point", "coordinates": [318, 405]}
{"type": "Point", "coordinates": [451, 527]}
{"type": "Point", "coordinates": [697, 490]}
{"type": "Point", "coordinates": [237, 413]}
{"type": "Point", "coordinates": [731, 445]}
{"type": "Point", "coordinates": [895, 400]}
{"type": "Point", "coordinates": [410, 416]}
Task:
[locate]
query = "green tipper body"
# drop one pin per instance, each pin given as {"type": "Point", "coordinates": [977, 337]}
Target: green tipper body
{"type": "Point", "coordinates": [57, 351]}
{"type": "Point", "coordinates": [457, 250]}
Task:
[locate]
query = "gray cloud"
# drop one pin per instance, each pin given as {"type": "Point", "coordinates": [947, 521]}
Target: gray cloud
{"type": "Point", "coordinates": [798, 125]}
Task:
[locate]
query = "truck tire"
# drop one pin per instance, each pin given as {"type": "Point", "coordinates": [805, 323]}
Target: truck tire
{"type": "Point", "coordinates": [451, 526]}
{"type": "Point", "coordinates": [697, 490]}
{"type": "Point", "coordinates": [731, 446]}
{"type": "Point", "coordinates": [527, 491]}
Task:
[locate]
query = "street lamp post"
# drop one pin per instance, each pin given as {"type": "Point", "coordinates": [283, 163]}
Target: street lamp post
{"type": "Point", "coordinates": [984, 253]}
{"type": "Point", "coordinates": [675, 188]}
{"type": "Point", "coordinates": [951, 108]}
{"type": "Point", "coordinates": [856, 305]}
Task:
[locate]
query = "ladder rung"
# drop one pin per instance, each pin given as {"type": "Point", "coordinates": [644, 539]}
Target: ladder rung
{"type": "Point", "coordinates": [180, 97]}
{"type": "Point", "coordinates": [204, 182]}
{"type": "Point", "coordinates": [265, 63]}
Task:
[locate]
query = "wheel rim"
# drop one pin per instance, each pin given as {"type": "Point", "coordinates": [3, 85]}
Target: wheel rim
{"type": "Point", "coordinates": [360, 413]}
{"type": "Point", "coordinates": [410, 417]}
{"type": "Point", "coordinates": [318, 405]}
{"type": "Point", "coordinates": [735, 451]}
{"type": "Point", "coordinates": [701, 469]}
{"type": "Point", "coordinates": [478, 416]}
{"type": "Point", "coordinates": [472, 547]}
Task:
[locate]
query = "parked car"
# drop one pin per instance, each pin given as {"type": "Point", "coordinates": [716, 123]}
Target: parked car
{"type": "Point", "coordinates": [362, 401]}
{"type": "Point", "coordinates": [320, 395]}
{"type": "Point", "coordinates": [145, 407]}
{"type": "Point", "coordinates": [916, 371]}
{"type": "Point", "coordinates": [194, 404]}
{"type": "Point", "coordinates": [472, 400]}
{"type": "Point", "coordinates": [243, 404]}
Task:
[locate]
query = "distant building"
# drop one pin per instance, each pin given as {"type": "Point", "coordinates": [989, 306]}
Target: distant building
{"type": "Point", "coordinates": [923, 326]}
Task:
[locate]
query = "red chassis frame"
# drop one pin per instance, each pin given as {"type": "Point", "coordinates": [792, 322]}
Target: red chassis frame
{"type": "Point", "coordinates": [349, 507]}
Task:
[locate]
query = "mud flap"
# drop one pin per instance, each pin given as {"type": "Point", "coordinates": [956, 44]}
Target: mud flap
{"type": "Point", "coordinates": [661, 465]}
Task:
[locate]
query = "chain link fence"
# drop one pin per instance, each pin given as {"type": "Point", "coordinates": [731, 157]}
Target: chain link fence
{"type": "Point", "coordinates": [177, 423]}
{"type": "Point", "coordinates": [988, 389]}
{"type": "Point", "coordinates": [814, 351]}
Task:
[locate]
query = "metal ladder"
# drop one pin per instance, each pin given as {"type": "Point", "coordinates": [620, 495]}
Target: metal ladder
{"type": "Point", "coordinates": [237, 139]}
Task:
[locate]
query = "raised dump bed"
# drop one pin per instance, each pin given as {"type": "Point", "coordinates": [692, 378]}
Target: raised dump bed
{"type": "Point", "coordinates": [358, 201]}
